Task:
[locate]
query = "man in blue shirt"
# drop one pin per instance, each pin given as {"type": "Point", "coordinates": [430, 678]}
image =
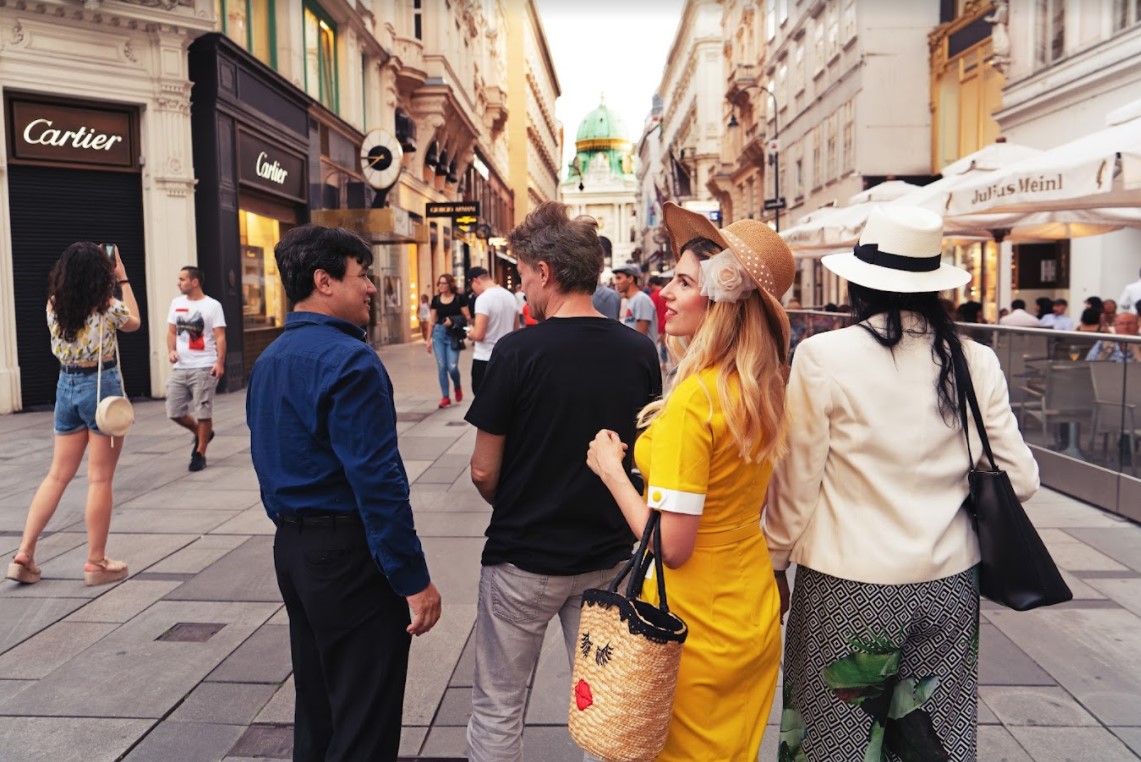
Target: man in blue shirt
{"type": "Point", "coordinates": [1058, 319]}
{"type": "Point", "coordinates": [349, 564]}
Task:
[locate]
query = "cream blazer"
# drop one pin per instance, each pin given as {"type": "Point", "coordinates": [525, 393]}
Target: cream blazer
{"type": "Point", "coordinates": [872, 487]}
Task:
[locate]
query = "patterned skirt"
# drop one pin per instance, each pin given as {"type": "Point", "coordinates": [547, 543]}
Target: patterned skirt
{"type": "Point", "coordinates": [881, 672]}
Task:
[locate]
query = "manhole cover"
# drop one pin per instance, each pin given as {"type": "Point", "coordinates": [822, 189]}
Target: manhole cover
{"type": "Point", "coordinates": [265, 741]}
{"type": "Point", "coordinates": [191, 632]}
{"type": "Point", "coordinates": [410, 417]}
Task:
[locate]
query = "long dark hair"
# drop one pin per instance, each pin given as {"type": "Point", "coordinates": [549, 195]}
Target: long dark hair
{"type": "Point", "coordinates": [81, 282]}
{"type": "Point", "coordinates": [945, 343]}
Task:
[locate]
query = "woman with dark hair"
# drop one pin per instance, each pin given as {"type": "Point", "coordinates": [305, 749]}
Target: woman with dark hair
{"type": "Point", "coordinates": [881, 645]}
{"type": "Point", "coordinates": [1045, 306]}
{"type": "Point", "coordinates": [83, 317]}
{"type": "Point", "coordinates": [449, 308]}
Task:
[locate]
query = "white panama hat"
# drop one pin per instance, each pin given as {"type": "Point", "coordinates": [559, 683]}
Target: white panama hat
{"type": "Point", "coordinates": [900, 250]}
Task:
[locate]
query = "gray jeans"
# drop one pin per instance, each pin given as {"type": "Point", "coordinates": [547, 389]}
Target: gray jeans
{"type": "Point", "coordinates": [511, 619]}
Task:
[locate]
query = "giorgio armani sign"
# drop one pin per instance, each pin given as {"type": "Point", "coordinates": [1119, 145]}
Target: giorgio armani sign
{"type": "Point", "coordinates": [269, 167]}
{"type": "Point", "coordinates": [50, 132]}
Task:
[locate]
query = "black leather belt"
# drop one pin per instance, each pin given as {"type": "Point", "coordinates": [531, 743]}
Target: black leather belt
{"type": "Point", "coordinates": [319, 518]}
{"type": "Point", "coordinates": [85, 370]}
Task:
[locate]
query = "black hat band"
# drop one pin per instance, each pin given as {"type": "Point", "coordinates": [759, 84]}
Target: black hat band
{"type": "Point", "coordinates": [870, 253]}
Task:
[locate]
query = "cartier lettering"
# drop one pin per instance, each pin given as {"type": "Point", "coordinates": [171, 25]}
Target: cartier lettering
{"type": "Point", "coordinates": [275, 173]}
{"type": "Point", "coordinates": [41, 132]}
{"type": "Point", "coordinates": [1041, 184]}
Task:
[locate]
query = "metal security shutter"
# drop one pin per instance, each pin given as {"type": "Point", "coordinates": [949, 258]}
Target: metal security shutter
{"type": "Point", "coordinates": [51, 209]}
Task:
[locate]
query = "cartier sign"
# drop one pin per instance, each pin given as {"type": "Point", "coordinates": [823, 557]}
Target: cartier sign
{"type": "Point", "coordinates": [270, 167]}
{"type": "Point", "coordinates": [42, 131]}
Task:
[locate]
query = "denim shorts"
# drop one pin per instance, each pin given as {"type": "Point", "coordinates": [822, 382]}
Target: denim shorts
{"type": "Point", "coordinates": [75, 400]}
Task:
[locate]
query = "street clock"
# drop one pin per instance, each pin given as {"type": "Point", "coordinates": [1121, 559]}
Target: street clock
{"type": "Point", "coordinates": [380, 159]}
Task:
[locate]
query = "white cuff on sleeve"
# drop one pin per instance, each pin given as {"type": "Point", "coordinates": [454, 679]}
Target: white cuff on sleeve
{"type": "Point", "coordinates": [676, 501]}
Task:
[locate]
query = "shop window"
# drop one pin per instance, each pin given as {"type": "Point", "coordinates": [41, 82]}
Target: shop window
{"type": "Point", "coordinates": [320, 34]}
{"type": "Point", "coordinates": [818, 44]}
{"type": "Point", "coordinates": [263, 299]}
{"type": "Point", "coordinates": [250, 23]}
{"type": "Point", "coordinates": [833, 32]}
{"type": "Point", "coordinates": [849, 21]}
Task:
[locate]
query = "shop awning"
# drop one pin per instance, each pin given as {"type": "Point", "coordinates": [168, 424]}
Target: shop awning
{"type": "Point", "coordinates": [391, 225]}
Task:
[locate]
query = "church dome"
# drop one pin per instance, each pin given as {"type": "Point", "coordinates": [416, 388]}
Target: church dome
{"type": "Point", "coordinates": [602, 124]}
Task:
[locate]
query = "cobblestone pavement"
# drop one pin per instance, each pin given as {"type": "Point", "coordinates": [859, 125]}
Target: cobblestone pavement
{"type": "Point", "coordinates": [188, 659]}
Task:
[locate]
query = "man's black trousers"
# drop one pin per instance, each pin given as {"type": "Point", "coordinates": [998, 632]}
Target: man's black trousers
{"type": "Point", "coordinates": [348, 639]}
{"type": "Point", "coordinates": [478, 369]}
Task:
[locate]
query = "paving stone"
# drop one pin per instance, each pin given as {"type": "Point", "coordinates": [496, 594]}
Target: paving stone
{"type": "Point", "coordinates": [281, 617]}
{"type": "Point", "coordinates": [124, 601]}
{"type": "Point", "coordinates": [996, 744]}
{"type": "Point", "coordinates": [265, 741]}
{"type": "Point", "coordinates": [464, 673]}
{"type": "Point", "coordinates": [425, 448]}
{"type": "Point", "coordinates": [172, 521]}
{"type": "Point", "coordinates": [178, 495]}
{"type": "Point", "coordinates": [1025, 705]}
{"type": "Point", "coordinates": [1001, 662]}
{"type": "Point", "coordinates": [411, 739]}
{"type": "Point", "coordinates": [53, 588]}
{"type": "Point", "coordinates": [264, 658]}
{"type": "Point", "coordinates": [1131, 737]}
{"type": "Point", "coordinates": [244, 574]}
{"type": "Point", "coordinates": [9, 688]}
{"type": "Point", "coordinates": [224, 704]}
{"type": "Point", "coordinates": [1126, 592]}
{"type": "Point", "coordinates": [21, 618]}
{"type": "Point", "coordinates": [222, 478]}
{"type": "Point", "coordinates": [437, 475]}
{"type": "Point", "coordinates": [186, 742]}
{"type": "Point", "coordinates": [279, 710]}
{"type": "Point", "coordinates": [137, 675]}
{"type": "Point", "coordinates": [252, 521]}
{"type": "Point", "coordinates": [1090, 653]}
{"type": "Point", "coordinates": [198, 555]}
{"type": "Point", "coordinates": [458, 581]}
{"type": "Point", "coordinates": [70, 739]}
{"type": "Point", "coordinates": [1067, 515]}
{"type": "Point", "coordinates": [48, 649]}
{"type": "Point", "coordinates": [452, 524]}
{"type": "Point", "coordinates": [416, 467]}
{"type": "Point", "coordinates": [1081, 591]}
{"type": "Point", "coordinates": [1077, 556]}
{"type": "Point", "coordinates": [1121, 542]}
{"type": "Point", "coordinates": [1072, 744]}
{"type": "Point", "coordinates": [455, 708]}
{"type": "Point", "coordinates": [551, 744]}
{"type": "Point", "coordinates": [770, 744]}
{"type": "Point", "coordinates": [985, 714]}
{"type": "Point", "coordinates": [451, 743]}
{"type": "Point", "coordinates": [139, 551]}
{"type": "Point", "coordinates": [432, 659]}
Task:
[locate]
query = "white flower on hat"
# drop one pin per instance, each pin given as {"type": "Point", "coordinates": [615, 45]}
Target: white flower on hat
{"type": "Point", "coordinates": [723, 279]}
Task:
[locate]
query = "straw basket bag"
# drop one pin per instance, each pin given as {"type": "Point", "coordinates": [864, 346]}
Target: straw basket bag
{"type": "Point", "coordinates": [626, 665]}
{"type": "Point", "coordinates": [114, 415]}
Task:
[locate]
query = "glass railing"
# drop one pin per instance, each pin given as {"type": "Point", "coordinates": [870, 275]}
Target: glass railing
{"type": "Point", "coordinates": [1077, 396]}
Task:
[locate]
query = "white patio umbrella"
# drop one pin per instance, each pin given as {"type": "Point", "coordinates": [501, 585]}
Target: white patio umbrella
{"type": "Point", "coordinates": [832, 229]}
{"type": "Point", "coordinates": [1102, 169]}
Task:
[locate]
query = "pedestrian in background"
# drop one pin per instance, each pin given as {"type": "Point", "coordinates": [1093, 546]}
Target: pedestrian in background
{"type": "Point", "coordinates": [1019, 317]}
{"type": "Point", "coordinates": [1057, 318]}
{"type": "Point", "coordinates": [424, 316]}
{"type": "Point", "coordinates": [707, 457]}
{"type": "Point", "coordinates": [494, 319]}
{"type": "Point", "coordinates": [196, 345]}
{"type": "Point", "coordinates": [869, 505]}
{"type": "Point", "coordinates": [447, 308]}
{"type": "Point", "coordinates": [1045, 307]}
{"type": "Point", "coordinates": [1130, 295]}
{"type": "Point", "coordinates": [554, 530]}
{"type": "Point", "coordinates": [606, 300]}
{"type": "Point", "coordinates": [1090, 321]}
{"type": "Point", "coordinates": [83, 317]}
{"type": "Point", "coordinates": [1108, 315]}
{"type": "Point", "coordinates": [349, 564]}
{"type": "Point", "coordinates": [638, 312]}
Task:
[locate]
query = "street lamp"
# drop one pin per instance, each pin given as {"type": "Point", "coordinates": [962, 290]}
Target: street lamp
{"type": "Point", "coordinates": [777, 203]}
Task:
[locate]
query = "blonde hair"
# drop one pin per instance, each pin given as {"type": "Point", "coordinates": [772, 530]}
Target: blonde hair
{"type": "Point", "coordinates": [747, 341]}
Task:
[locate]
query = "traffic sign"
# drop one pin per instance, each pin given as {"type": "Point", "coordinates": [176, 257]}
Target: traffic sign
{"type": "Point", "coordinates": [775, 203]}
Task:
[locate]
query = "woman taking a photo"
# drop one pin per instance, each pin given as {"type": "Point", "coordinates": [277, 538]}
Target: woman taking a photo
{"type": "Point", "coordinates": [707, 457]}
{"type": "Point", "coordinates": [83, 315]}
{"type": "Point", "coordinates": [882, 640]}
{"type": "Point", "coordinates": [447, 307]}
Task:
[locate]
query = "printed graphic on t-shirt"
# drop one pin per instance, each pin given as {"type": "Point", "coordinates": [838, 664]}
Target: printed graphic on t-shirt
{"type": "Point", "coordinates": [193, 326]}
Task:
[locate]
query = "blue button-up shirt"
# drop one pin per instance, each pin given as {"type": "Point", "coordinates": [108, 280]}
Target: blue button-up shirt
{"type": "Point", "coordinates": [323, 438]}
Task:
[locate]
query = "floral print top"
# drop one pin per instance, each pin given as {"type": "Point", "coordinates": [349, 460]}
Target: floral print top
{"type": "Point", "coordinates": [85, 348]}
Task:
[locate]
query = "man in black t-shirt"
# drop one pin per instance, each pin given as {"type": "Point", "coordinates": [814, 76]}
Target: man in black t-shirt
{"type": "Point", "coordinates": [555, 530]}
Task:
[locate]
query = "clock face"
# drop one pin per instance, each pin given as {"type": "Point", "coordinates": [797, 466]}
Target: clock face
{"type": "Point", "coordinates": [380, 159]}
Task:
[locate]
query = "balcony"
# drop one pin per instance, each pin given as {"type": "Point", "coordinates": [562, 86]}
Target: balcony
{"type": "Point", "coordinates": [412, 72]}
{"type": "Point", "coordinates": [741, 76]}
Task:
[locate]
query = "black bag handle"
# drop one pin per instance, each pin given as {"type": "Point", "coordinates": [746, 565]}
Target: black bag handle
{"type": "Point", "coordinates": [639, 563]}
{"type": "Point", "coordinates": [966, 393]}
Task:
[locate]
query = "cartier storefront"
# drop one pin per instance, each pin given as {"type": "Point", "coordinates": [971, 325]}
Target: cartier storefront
{"type": "Point", "coordinates": [251, 141]}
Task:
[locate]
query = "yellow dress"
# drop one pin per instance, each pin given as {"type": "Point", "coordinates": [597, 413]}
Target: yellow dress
{"type": "Point", "coordinates": [725, 592]}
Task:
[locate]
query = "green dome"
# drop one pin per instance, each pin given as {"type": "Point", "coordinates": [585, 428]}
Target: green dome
{"type": "Point", "coordinates": [601, 124]}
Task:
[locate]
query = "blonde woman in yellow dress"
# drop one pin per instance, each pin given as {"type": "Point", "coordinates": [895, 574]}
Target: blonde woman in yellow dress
{"type": "Point", "coordinates": [707, 457]}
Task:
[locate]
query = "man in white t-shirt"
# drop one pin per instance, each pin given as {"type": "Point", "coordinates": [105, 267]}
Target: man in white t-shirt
{"type": "Point", "coordinates": [1019, 317]}
{"type": "Point", "coordinates": [638, 311]}
{"type": "Point", "coordinates": [196, 342]}
{"type": "Point", "coordinates": [1130, 296]}
{"type": "Point", "coordinates": [495, 317]}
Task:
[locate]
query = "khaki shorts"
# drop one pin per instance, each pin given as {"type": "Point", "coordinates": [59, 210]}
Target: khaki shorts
{"type": "Point", "coordinates": [190, 391]}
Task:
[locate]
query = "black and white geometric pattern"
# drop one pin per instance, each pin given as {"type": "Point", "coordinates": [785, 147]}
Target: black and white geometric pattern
{"type": "Point", "coordinates": [935, 626]}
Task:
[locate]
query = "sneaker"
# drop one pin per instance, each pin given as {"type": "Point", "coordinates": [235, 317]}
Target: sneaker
{"type": "Point", "coordinates": [445, 402]}
{"type": "Point", "coordinates": [197, 461]}
{"type": "Point", "coordinates": [459, 394]}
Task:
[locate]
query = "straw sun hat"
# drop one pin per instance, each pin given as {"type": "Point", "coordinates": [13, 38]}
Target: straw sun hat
{"type": "Point", "coordinates": [900, 250]}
